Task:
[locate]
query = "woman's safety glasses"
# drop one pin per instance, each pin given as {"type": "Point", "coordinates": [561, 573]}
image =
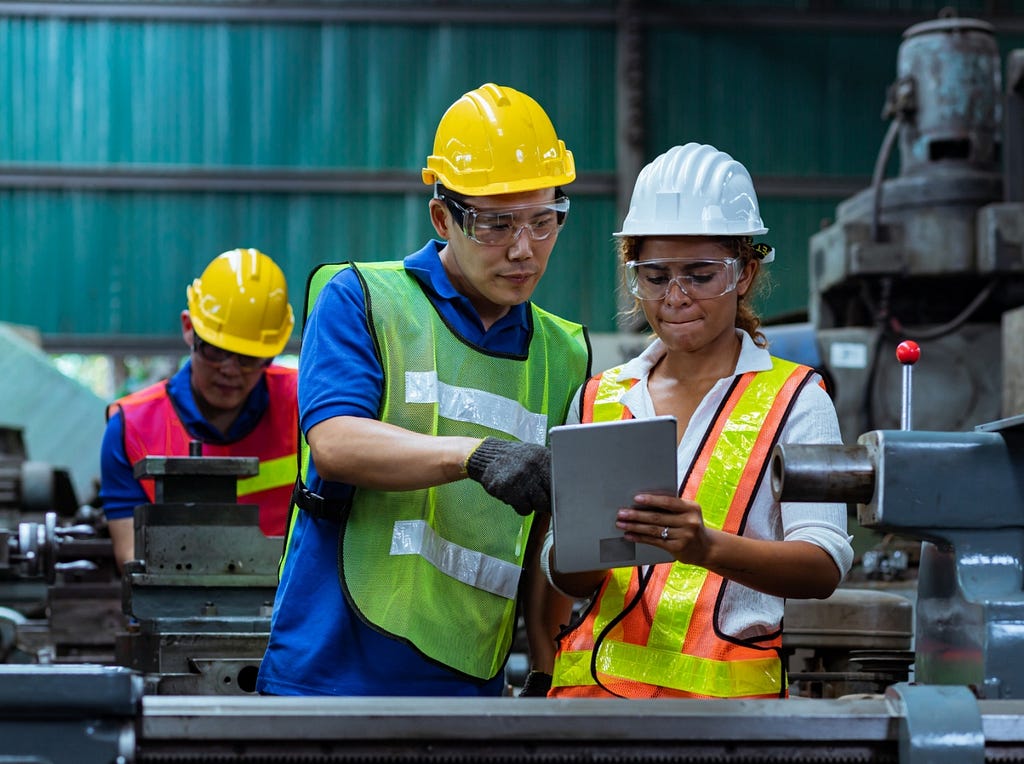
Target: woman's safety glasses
{"type": "Point", "coordinates": [218, 356]}
{"type": "Point", "coordinates": [501, 227]}
{"type": "Point", "coordinates": [698, 279]}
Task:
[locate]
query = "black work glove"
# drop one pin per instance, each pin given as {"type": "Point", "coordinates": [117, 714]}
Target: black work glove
{"type": "Point", "coordinates": [536, 685]}
{"type": "Point", "coordinates": [517, 473]}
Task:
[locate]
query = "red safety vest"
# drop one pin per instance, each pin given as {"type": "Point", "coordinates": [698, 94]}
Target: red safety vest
{"type": "Point", "coordinates": [669, 643]}
{"type": "Point", "coordinates": [152, 428]}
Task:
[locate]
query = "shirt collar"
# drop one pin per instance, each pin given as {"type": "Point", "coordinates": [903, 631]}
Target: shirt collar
{"type": "Point", "coordinates": [751, 358]}
{"type": "Point", "coordinates": [180, 389]}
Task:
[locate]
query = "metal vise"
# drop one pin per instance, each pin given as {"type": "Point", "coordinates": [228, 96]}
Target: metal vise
{"type": "Point", "coordinates": [962, 493]}
{"type": "Point", "coordinates": [202, 589]}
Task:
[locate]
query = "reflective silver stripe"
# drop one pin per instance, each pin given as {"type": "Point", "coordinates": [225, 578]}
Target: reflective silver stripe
{"type": "Point", "coordinates": [466, 565]}
{"type": "Point", "coordinates": [464, 404]}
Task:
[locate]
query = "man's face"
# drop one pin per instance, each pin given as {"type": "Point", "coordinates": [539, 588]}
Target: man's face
{"type": "Point", "coordinates": [222, 385]}
{"type": "Point", "coordinates": [496, 276]}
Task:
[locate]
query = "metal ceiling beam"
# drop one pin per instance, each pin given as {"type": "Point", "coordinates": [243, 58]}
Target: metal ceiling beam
{"type": "Point", "coordinates": [255, 11]}
{"type": "Point", "coordinates": [170, 345]}
{"type": "Point", "coordinates": [315, 13]}
{"type": "Point", "coordinates": [244, 180]}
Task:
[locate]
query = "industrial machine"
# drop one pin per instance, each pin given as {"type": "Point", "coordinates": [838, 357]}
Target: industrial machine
{"type": "Point", "coordinates": [191, 614]}
{"type": "Point", "coordinates": [59, 592]}
{"type": "Point", "coordinates": [29, 489]}
{"type": "Point", "coordinates": [200, 593]}
{"type": "Point", "coordinates": [935, 253]}
{"type": "Point", "coordinates": [101, 714]}
{"type": "Point", "coordinates": [960, 494]}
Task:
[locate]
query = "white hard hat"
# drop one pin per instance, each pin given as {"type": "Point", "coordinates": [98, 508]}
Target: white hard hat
{"type": "Point", "coordinates": [693, 190]}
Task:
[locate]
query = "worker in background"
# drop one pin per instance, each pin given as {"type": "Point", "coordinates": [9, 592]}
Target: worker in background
{"type": "Point", "coordinates": [427, 387]}
{"type": "Point", "coordinates": [710, 624]}
{"type": "Point", "coordinates": [229, 396]}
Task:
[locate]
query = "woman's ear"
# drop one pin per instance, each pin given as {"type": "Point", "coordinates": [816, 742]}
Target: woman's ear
{"type": "Point", "coordinates": [747, 276]}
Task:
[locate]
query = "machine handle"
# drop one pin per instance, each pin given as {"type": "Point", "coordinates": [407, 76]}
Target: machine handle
{"type": "Point", "coordinates": [907, 353]}
{"type": "Point", "coordinates": [830, 473]}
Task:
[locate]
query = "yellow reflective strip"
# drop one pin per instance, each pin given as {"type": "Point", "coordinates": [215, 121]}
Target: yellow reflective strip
{"type": "Point", "coordinates": [572, 669]}
{"type": "Point", "coordinates": [609, 392]}
{"type": "Point", "coordinates": [732, 452]}
{"type": "Point", "coordinates": [273, 473]}
{"type": "Point", "coordinates": [613, 601]}
{"type": "Point", "coordinates": [689, 673]}
{"type": "Point", "coordinates": [722, 476]}
{"type": "Point", "coordinates": [685, 673]}
{"type": "Point", "coordinates": [675, 606]}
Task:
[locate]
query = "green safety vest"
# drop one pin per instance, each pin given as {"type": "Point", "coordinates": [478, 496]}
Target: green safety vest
{"type": "Point", "coordinates": [439, 567]}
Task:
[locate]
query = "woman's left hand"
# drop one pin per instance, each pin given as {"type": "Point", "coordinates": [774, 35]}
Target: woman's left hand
{"type": "Point", "coordinates": [669, 522]}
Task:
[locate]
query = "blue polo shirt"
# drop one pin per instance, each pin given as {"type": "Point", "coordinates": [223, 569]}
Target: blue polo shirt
{"type": "Point", "coordinates": [318, 645]}
{"type": "Point", "coordinates": [120, 490]}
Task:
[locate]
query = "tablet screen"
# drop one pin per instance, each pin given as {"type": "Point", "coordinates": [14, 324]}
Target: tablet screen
{"type": "Point", "coordinates": [595, 470]}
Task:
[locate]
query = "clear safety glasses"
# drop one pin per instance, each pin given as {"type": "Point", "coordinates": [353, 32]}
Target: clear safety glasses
{"type": "Point", "coordinates": [698, 279]}
{"type": "Point", "coordinates": [501, 227]}
{"type": "Point", "coordinates": [217, 356]}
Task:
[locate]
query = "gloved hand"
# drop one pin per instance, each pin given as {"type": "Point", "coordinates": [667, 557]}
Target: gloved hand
{"type": "Point", "coordinates": [536, 685]}
{"type": "Point", "coordinates": [517, 473]}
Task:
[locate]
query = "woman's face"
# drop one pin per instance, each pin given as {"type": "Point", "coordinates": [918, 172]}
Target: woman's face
{"type": "Point", "coordinates": [700, 265]}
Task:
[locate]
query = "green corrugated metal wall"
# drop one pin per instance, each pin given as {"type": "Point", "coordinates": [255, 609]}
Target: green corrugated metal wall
{"type": "Point", "coordinates": [186, 97]}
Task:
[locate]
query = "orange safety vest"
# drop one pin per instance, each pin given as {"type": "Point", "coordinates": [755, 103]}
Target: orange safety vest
{"type": "Point", "coordinates": [152, 428]}
{"type": "Point", "coordinates": [667, 643]}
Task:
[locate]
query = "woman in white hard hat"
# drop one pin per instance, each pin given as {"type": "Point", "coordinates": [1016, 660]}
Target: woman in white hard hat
{"type": "Point", "coordinates": [710, 624]}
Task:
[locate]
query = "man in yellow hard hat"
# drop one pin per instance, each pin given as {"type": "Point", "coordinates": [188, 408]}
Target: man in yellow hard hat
{"type": "Point", "coordinates": [427, 388]}
{"type": "Point", "coordinates": [229, 396]}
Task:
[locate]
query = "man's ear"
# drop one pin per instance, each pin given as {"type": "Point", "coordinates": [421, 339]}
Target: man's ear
{"type": "Point", "coordinates": [187, 332]}
{"type": "Point", "coordinates": [440, 218]}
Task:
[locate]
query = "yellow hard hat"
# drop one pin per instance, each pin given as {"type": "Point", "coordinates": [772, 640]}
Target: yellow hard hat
{"type": "Point", "coordinates": [240, 303]}
{"type": "Point", "coordinates": [496, 140]}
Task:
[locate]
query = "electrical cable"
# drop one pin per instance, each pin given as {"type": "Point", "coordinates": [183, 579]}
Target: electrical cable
{"type": "Point", "coordinates": [642, 578]}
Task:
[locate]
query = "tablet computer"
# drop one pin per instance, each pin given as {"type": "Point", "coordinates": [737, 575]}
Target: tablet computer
{"type": "Point", "coordinates": [596, 469]}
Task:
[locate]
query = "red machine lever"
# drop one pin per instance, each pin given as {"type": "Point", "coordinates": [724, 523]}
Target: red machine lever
{"type": "Point", "coordinates": [908, 353]}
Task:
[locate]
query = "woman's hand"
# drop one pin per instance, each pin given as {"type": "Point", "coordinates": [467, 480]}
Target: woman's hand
{"type": "Point", "coordinates": [669, 522]}
{"type": "Point", "coordinates": [791, 569]}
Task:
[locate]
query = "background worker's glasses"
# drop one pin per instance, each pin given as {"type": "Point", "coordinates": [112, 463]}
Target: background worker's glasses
{"type": "Point", "coordinates": [218, 356]}
{"type": "Point", "coordinates": [501, 227]}
{"type": "Point", "coordinates": [698, 279]}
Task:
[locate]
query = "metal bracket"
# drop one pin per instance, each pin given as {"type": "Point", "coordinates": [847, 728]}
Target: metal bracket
{"type": "Point", "coordinates": [939, 724]}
